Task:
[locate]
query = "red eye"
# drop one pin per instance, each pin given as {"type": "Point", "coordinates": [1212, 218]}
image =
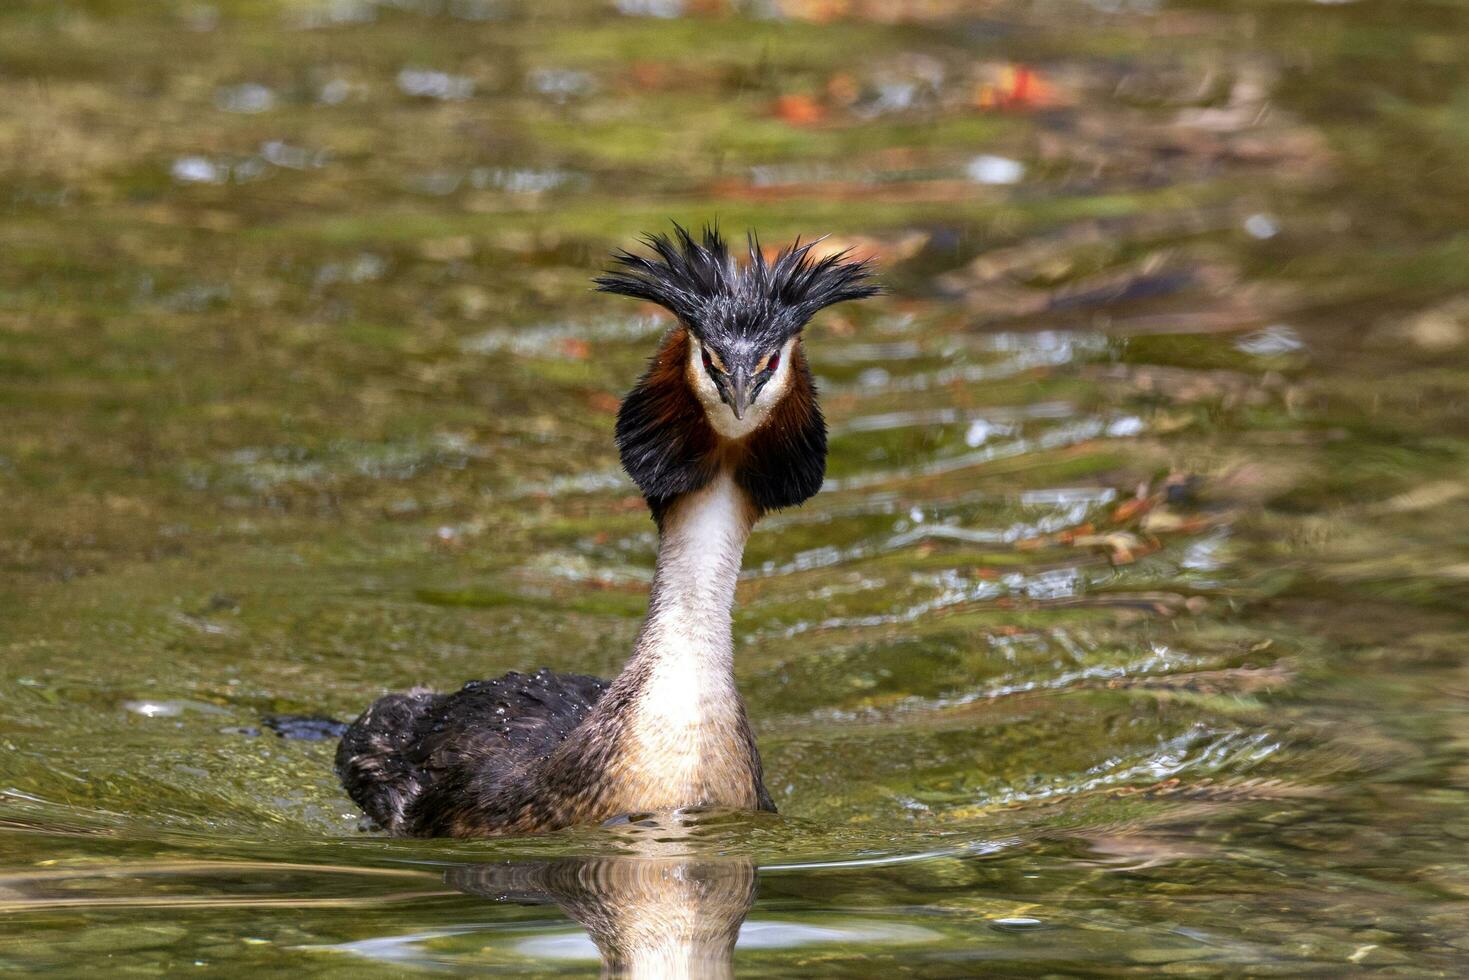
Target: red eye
{"type": "Point", "coordinates": [774, 361]}
{"type": "Point", "coordinates": [708, 363]}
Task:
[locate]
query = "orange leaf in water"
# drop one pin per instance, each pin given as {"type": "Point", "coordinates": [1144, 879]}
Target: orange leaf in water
{"type": "Point", "coordinates": [1129, 509]}
{"type": "Point", "coordinates": [1071, 534]}
{"type": "Point", "coordinates": [799, 110]}
{"type": "Point", "coordinates": [602, 401]}
{"type": "Point", "coordinates": [574, 348]}
{"type": "Point", "coordinates": [1016, 87]}
{"type": "Point", "coordinates": [843, 89]}
{"type": "Point", "coordinates": [648, 75]}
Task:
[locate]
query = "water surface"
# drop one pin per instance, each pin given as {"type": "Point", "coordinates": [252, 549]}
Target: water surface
{"type": "Point", "coordinates": [1128, 633]}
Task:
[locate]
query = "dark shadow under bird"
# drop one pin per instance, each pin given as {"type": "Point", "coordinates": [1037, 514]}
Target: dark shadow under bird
{"type": "Point", "coordinates": [722, 427]}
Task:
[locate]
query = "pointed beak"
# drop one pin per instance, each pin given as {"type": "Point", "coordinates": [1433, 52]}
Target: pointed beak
{"type": "Point", "coordinates": [739, 392]}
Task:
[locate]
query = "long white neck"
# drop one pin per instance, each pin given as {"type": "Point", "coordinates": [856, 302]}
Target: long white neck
{"type": "Point", "coordinates": [686, 643]}
{"type": "Point", "coordinates": [673, 717]}
{"type": "Point", "coordinates": [685, 739]}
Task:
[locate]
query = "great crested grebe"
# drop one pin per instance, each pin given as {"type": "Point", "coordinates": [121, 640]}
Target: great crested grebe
{"type": "Point", "coordinates": [722, 427]}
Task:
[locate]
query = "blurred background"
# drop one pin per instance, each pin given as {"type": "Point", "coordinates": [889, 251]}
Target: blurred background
{"type": "Point", "coordinates": [1128, 633]}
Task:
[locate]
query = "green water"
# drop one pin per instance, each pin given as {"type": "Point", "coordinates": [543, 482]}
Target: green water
{"type": "Point", "coordinates": [1128, 635]}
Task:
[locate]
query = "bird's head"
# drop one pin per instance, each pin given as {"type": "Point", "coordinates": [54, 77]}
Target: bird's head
{"type": "Point", "coordinates": [730, 382]}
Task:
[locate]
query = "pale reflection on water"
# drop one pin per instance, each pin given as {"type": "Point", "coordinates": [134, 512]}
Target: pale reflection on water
{"type": "Point", "coordinates": [670, 906]}
{"type": "Point", "coordinates": [645, 916]}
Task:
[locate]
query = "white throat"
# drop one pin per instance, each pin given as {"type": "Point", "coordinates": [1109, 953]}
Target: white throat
{"type": "Point", "coordinates": [719, 414]}
{"type": "Point", "coordinates": [688, 695]}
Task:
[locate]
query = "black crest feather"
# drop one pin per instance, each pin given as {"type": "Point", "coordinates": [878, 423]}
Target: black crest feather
{"type": "Point", "coordinates": [714, 296]}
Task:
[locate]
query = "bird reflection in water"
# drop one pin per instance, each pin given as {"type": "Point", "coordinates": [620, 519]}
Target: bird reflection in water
{"type": "Point", "coordinates": [660, 911]}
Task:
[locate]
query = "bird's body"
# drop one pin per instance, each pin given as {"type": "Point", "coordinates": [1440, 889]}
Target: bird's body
{"type": "Point", "coordinates": [723, 427]}
{"type": "Point", "coordinates": [412, 760]}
